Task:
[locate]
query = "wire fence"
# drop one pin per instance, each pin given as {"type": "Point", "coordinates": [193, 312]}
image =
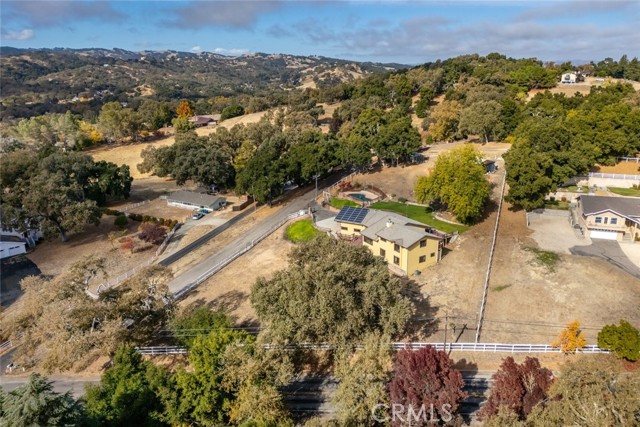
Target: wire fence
{"type": "Point", "coordinates": [483, 303]}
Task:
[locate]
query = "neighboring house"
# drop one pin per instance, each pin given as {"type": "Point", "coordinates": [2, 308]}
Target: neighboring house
{"type": "Point", "coordinates": [489, 166]}
{"type": "Point", "coordinates": [206, 120]}
{"type": "Point", "coordinates": [11, 246]}
{"type": "Point", "coordinates": [30, 236]}
{"type": "Point", "coordinates": [610, 218]}
{"type": "Point", "coordinates": [198, 201]}
{"type": "Point", "coordinates": [570, 77]}
{"type": "Point", "coordinates": [405, 244]}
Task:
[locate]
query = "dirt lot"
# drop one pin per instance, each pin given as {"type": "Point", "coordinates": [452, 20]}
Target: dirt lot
{"type": "Point", "coordinates": [160, 209]}
{"type": "Point", "coordinates": [527, 303]}
{"type": "Point", "coordinates": [230, 288]}
{"type": "Point", "coordinates": [401, 181]}
{"type": "Point", "coordinates": [631, 168]}
{"type": "Point", "coordinates": [53, 257]}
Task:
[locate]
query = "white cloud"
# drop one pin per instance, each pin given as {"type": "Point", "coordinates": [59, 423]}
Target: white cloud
{"type": "Point", "coordinates": [21, 35]}
{"type": "Point", "coordinates": [224, 13]}
{"type": "Point", "coordinates": [196, 49]}
{"type": "Point", "coordinates": [230, 52]}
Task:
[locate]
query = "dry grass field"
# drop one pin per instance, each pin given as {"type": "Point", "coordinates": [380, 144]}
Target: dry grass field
{"type": "Point", "coordinates": [582, 87]}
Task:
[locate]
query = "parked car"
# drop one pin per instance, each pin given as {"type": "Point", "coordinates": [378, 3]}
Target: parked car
{"type": "Point", "coordinates": [197, 216]}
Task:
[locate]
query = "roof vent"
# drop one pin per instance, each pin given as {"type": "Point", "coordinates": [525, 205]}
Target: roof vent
{"type": "Point", "coordinates": [389, 222]}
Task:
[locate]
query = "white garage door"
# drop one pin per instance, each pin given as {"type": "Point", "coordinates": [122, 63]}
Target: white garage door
{"type": "Point", "coordinates": [606, 235]}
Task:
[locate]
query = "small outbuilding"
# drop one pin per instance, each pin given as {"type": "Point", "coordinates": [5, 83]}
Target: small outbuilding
{"type": "Point", "coordinates": [196, 201]}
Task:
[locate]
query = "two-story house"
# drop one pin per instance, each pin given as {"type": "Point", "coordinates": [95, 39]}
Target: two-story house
{"type": "Point", "coordinates": [405, 244]}
{"type": "Point", "coordinates": [610, 218]}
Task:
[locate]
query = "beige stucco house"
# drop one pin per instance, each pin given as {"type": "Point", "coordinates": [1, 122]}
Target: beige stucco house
{"type": "Point", "coordinates": [610, 218]}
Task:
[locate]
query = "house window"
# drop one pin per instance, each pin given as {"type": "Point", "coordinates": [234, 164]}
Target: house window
{"type": "Point", "coordinates": [396, 247]}
{"type": "Point", "coordinates": [433, 254]}
{"type": "Point", "coordinates": [396, 260]}
{"type": "Point", "coordinates": [606, 219]}
{"type": "Point", "coordinates": [343, 228]}
{"type": "Point", "coordinates": [614, 221]}
{"type": "Point", "coordinates": [382, 252]}
{"type": "Point", "coordinates": [423, 258]}
{"type": "Point", "coordinates": [356, 230]}
{"type": "Point", "coordinates": [368, 241]}
{"type": "Point", "coordinates": [423, 243]}
{"type": "Point", "coordinates": [598, 220]}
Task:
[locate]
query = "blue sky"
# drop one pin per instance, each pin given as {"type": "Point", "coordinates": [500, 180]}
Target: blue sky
{"type": "Point", "coordinates": [402, 31]}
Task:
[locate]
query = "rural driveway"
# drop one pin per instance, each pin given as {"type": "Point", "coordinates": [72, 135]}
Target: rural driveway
{"type": "Point", "coordinates": [304, 201]}
{"type": "Point", "coordinates": [610, 251]}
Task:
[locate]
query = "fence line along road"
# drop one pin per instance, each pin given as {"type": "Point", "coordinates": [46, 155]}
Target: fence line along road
{"type": "Point", "coordinates": [613, 175]}
{"type": "Point", "coordinates": [472, 347]}
{"type": "Point", "coordinates": [219, 266]}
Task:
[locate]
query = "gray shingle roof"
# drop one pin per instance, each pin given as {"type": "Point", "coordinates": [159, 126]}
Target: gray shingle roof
{"type": "Point", "coordinates": [625, 206]}
{"type": "Point", "coordinates": [192, 198]}
{"type": "Point", "coordinates": [394, 227]}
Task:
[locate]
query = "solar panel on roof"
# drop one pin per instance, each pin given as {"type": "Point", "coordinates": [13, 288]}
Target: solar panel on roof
{"type": "Point", "coordinates": [351, 214]}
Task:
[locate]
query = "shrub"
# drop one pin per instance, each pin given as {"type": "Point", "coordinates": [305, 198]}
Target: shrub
{"type": "Point", "coordinates": [152, 233]}
{"type": "Point", "coordinates": [121, 221]}
{"type": "Point", "coordinates": [623, 340]}
{"type": "Point", "coordinates": [402, 200]}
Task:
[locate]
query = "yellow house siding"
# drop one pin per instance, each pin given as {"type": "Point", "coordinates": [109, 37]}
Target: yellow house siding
{"type": "Point", "coordinates": [350, 229]}
{"type": "Point", "coordinates": [415, 252]}
{"type": "Point", "coordinates": [408, 258]}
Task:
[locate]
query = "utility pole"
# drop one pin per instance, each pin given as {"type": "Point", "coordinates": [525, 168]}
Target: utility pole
{"type": "Point", "coordinates": [446, 326]}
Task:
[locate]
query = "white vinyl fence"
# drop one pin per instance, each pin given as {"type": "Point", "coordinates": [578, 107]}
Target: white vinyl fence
{"type": "Point", "coordinates": [471, 347]}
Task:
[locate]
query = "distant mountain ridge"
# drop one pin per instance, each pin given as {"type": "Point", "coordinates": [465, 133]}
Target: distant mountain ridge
{"type": "Point", "coordinates": [35, 81]}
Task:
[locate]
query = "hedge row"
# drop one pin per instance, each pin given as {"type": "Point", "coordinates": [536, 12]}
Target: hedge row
{"type": "Point", "coordinates": [142, 218]}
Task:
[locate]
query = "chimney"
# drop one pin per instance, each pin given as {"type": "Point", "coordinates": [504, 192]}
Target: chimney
{"type": "Point", "coordinates": [389, 223]}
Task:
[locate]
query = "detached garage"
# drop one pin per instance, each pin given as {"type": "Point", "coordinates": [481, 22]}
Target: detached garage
{"type": "Point", "coordinates": [11, 246]}
{"type": "Point", "coordinates": [196, 201]}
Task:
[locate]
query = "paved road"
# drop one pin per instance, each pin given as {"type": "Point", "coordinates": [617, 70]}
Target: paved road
{"type": "Point", "coordinates": [313, 394]}
{"type": "Point", "coordinates": [61, 384]}
{"type": "Point", "coordinates": [304, 201]}
{"type": "Point", "coordinates": [173, 257]}
{"type": "Point", "coordinates": [610, 251]}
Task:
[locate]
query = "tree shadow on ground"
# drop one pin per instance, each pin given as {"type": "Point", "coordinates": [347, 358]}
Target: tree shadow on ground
{"type": "Point", "coordinates": [15, 269]}
{"type": "Point", "coordinates": [424, 321]}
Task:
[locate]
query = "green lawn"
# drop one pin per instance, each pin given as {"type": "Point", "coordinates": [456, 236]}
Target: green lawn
{"type": "Point", "coordinates": [419, 213]}
{"type": "Point", "coordinates": [301, 231]}
{"type": "Point", "coordinates": [341, 203]}
{"type": "Point", "coordinates": [633, 192]}
{"type": "Point", "coordinates": [557, 204]}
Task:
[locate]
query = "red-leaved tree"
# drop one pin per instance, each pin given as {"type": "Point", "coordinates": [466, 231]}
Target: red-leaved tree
{"type": "Point", "coordinates": [152, 233]}
{"type": "Point", "coordinates": [425, 379]}
{"type": "Point", "coordinates": [518, 387]}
